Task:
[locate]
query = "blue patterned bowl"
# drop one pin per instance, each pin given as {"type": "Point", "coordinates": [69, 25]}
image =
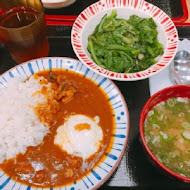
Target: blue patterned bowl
{"type": "Point", "coordinates": [104, 169]}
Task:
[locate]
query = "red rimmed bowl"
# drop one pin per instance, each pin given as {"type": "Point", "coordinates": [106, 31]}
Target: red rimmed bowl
{"type": "Point", "coordinates": [181, 91]}
{"type": "Point", "coordinates": [91, 17]}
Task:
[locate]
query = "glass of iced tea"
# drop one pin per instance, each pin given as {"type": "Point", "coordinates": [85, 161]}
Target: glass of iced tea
{"type": "Point", "coordinates": [23, 29]}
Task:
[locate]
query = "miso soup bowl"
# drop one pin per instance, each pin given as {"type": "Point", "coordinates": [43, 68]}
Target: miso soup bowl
{"type": "Point", "coordinates": [162, 95]}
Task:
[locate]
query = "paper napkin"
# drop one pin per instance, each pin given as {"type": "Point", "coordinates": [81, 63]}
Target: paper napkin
{"type": "Point", "coordinates": [162, 79]}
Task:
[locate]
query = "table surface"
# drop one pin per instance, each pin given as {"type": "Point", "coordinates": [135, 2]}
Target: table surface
{"type": "Point", "coordinates": [135, 170]}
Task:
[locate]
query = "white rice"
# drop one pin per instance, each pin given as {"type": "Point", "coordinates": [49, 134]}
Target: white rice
{"type": "Point", "coordinates": [20, 126]}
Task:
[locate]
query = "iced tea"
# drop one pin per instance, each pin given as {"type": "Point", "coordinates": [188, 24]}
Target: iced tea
{"type": "Point", "coordinates": [23, 31]}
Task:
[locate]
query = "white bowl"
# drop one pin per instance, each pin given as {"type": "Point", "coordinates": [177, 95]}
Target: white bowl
{"type": "Point", "coordinates": [54, 4]}
{"type": "Point", "coordinates": [109, 162]}
{"type": "Point", "coordinates": [87, 21]}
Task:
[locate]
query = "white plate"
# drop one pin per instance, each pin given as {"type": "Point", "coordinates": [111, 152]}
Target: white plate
{"type": "Point", "coordinates": [103, 170]}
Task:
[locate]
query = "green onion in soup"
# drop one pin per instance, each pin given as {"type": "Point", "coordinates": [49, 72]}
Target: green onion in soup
{"type": "Point", "coordinates": [167, 134]}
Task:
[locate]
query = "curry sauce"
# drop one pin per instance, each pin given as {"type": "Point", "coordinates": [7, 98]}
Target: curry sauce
{"type": "Point", "coordinates": [47, 165]}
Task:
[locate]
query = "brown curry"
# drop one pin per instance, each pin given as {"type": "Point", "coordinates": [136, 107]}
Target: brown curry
{"type": "Point", "coordinates": [47, 165]}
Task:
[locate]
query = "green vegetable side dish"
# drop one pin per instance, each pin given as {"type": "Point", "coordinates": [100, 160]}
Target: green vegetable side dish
{"type": "Point", "coordinates": [167, 134]}
{"type": "Point", "coordinates": [125, 46]}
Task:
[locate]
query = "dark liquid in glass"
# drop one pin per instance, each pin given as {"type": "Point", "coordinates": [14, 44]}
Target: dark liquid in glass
{"type": "Point", "coordinates": [23, 31]}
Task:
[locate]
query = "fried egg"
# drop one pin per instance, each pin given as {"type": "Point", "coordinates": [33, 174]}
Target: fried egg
{"type": "Point", "coordinates": [80, 135]}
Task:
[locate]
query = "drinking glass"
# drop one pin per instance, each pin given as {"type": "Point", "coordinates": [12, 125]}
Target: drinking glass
{"type": "Point", "coordinates": [23, 30]}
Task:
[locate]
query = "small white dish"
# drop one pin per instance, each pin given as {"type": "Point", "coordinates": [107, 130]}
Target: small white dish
{"type": "Point", "coordinates": [55, 4]}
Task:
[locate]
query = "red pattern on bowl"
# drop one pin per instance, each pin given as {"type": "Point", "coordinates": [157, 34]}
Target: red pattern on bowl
{"type": "Point", "coordinates": [85, 24]}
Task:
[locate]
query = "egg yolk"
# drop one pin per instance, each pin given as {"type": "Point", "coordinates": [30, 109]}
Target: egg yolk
{"type": "Point", "coordinates": [82, 126]}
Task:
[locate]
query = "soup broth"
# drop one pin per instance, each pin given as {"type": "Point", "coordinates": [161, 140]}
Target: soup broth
{"type": "Point", "coordinates": [167, 133]}
{"type": "Point", "coordinates": [47, 165]}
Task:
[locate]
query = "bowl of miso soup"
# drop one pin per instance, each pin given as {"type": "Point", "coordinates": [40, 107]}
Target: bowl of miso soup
{"type": "Point", "coordinates": [165, 130]}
